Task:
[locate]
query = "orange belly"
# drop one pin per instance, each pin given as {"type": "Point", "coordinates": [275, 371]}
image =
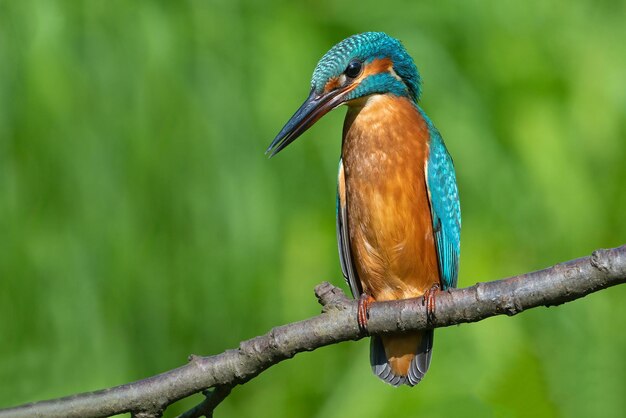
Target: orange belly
{"type": "Point", "coordinates": [384, 153]}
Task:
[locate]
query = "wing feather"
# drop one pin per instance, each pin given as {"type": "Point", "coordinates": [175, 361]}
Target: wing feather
{"type": "Point", "coordinates": [445, 207]}
{"type": "Point", "coordinates": [343, 238]}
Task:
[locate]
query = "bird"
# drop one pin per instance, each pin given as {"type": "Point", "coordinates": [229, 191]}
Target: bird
{"type": "Point", "coordinates": [398, 209]}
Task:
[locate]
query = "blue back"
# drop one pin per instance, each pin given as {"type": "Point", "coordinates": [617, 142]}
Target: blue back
{"type": "Point", "coordinates": [445, 206]}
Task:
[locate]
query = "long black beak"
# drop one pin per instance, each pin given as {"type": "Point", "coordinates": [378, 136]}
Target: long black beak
{"type": "Point", "coordinates": [313, 108]}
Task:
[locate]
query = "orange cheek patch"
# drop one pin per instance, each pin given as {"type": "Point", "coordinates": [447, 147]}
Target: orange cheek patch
{"type": "Point", "coordinates": [332, 84]}
{"type": "Point", "coordinates": [378, 66]}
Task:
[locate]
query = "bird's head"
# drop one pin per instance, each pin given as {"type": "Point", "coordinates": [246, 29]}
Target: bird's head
{"type": "Point", "coordinates": [359, 66]}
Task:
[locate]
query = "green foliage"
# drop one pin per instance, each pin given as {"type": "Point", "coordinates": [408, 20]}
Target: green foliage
{"type": "Point", "coordinates": [141, 222]}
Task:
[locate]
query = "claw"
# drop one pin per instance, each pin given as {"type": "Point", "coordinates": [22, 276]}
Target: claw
{"type": "Point", "coordinates": [363, 310]}
{"type": "Point", "coordinates": [429, 301]}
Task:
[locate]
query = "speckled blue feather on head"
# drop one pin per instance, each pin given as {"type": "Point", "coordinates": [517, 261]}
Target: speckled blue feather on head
{"type": "Point", "coordinates": [367, 47]}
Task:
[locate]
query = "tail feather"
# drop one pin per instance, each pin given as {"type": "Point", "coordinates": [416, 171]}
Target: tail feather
{"type": "Point", "coordinates": [421, 361]}
{"type": "Point", "coordinates": [417, 368]}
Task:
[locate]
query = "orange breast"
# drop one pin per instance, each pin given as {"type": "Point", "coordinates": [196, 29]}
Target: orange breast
{"type": "Point", "coordinates": [384, 153]}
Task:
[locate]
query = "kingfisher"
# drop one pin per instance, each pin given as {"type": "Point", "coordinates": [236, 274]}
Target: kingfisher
{"type": "Point", "coordinates": [398, 210]}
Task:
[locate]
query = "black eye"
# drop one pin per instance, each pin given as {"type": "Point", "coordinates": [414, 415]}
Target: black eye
{"type": "Point", "coordinates": [353, 69]}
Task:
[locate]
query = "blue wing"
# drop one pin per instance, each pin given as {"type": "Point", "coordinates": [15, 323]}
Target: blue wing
{"type": "Point", "coordinates": [445, 207]}
{"type": "Point", "coordinates": [343, 238]}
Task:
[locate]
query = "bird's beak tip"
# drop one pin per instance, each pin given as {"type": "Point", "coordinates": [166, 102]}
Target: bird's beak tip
{"type": "Point", "coordinates": [309, 112]}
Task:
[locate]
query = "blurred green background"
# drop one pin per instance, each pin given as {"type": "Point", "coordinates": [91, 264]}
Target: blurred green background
{"type": "Point", "coordinates": [140, 221]}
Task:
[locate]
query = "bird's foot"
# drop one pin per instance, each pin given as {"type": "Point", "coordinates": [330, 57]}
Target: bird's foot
{"type": "Point", "coordinates": [429, 301]}
{"type": "Point", "coordinates": [363, 311]}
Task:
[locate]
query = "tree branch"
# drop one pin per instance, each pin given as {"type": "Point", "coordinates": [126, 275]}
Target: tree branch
{"type": "Point", "coordinates": [149, 397]}
{"type": "Point", "coordinates": [206, 407]}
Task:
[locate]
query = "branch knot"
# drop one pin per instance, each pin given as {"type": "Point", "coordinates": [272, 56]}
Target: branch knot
{"type": "Point", "coordinates": [599, 261]}
{"type": "Point", "coordinates": [331, 297]}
